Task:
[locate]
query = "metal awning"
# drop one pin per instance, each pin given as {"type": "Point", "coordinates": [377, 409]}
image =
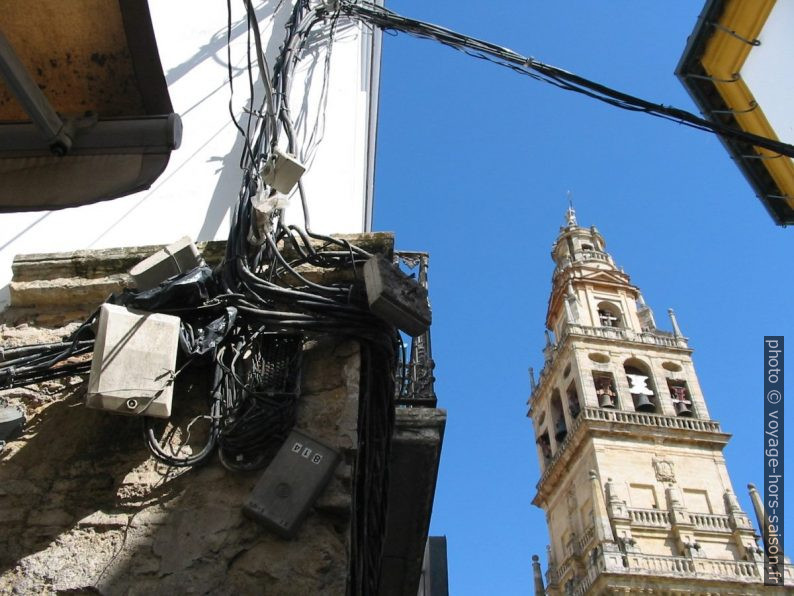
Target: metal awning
{"type": "Point", "coordinates": [711, 70]}
{"type": "Point", "coordinates": [85, 114]}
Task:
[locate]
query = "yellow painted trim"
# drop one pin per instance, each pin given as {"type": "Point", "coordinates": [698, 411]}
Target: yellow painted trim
{"type": "Point", "coordinates": [724, 52]}
{"type": "Point", "coordinates": [724, 57]}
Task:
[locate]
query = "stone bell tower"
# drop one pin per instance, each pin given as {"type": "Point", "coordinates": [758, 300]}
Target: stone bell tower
{"type": "Point", "coordinates": [634, 484]}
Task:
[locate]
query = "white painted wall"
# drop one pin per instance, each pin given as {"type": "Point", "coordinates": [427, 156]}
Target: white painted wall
{"type": "Point", "coordinates": [767, 70]}
{"type": "Point", "coordinates": [194, 195]}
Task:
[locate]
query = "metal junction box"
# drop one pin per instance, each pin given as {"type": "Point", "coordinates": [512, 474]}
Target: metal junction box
{"type": "Point", "coordinates": [282, 171]}
{"type": "Point", "coordinates": [291, 483]}
{"type": "Point", "coordinates": [134, 362]}
{"type": "Point", "coordinates": [395, 297]}
{"type": "Point", "coordinates": [175, 258]}
{"type": "Point", "coordinates": [11, 422]}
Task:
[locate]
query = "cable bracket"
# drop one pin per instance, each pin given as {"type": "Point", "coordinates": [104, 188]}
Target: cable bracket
{"type": "Point", "coordinates": [735, 77]}
{"type": "Point", "coordinates": [762, 157]}
{"type": "Point", "coordinates": [753, 106]}
{"type": "Point", "coordinates": [732, 33]}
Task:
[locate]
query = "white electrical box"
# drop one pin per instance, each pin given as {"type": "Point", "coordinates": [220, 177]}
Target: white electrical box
{"type": "Point", "coordinates": [282, 171]}
{"type": "Point", "coordinates": [175, 258]}
{"type": "Point", "coordinates": [134, 362]}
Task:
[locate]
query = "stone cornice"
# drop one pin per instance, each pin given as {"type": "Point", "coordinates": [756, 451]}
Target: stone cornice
{"type": "Point", "coordinates": [595, 422]}
{"type": "Point", "coordinates": [50, 288]}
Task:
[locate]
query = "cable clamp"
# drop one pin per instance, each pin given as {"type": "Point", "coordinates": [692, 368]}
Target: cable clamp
{"type": "Point", "coordinates": [753, 106]}
{"type": "Point", "coordinates": [732, 33]}
{"type": "Point", "coordinates": [762, 157]}
{"type": "Point", "coordinates": [734, 78]}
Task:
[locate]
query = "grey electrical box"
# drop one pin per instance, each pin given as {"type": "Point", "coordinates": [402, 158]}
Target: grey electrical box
{"type": "Point", "coordinates": [395, 297]}
{"type": "Point", "coordinates": [134, 362]}
{"type": "Point", "coordinates": [11, 422]}
{"type": "Point", "coordinates": [291, 483]}
{"type": "Point", "coordinates": [175, 258]}
{"type": "Point", "coordinates": [282, 171]}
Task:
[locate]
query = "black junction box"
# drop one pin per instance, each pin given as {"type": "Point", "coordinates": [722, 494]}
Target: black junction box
{"type": "Point", "coordinates": [396, 297]}
{"type": "Point", "coordinates": [291, 484]}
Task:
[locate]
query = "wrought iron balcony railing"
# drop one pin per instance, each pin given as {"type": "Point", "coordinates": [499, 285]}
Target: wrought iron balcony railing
{"type": "Point", "coordinates": [414, 383]}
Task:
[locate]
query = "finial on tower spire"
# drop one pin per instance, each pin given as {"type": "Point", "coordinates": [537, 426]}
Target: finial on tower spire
{"type": "Point", "coordinates": [570, 214]}
{"type": "Point", "coordinates": [674, 321]}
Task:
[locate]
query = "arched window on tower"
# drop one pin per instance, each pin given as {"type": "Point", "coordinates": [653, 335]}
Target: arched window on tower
{"type": "Point", "coordinates": [545, 448]}
{"type": "Point", "coordinates": [641, 386]}
{"type": "Point", "coordinates": [543, 440]}
{"type": "Point", "coordinates": [558, 418]}
{"type": "Point", "coordinates": [605, 390]}
{"type": "Point", "coordinates": [574, 407]}
{"type": "Point", "coordinates": [682, 399]}
{"type": "Point", "coordinates": [609, 315]}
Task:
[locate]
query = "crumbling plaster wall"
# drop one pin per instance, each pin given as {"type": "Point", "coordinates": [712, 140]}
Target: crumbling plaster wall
{"type": "Point", "coordinates": [85, 509]}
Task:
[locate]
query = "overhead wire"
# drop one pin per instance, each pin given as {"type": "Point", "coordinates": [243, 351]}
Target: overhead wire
{"type": "Point", "coordinates": [388, 20]}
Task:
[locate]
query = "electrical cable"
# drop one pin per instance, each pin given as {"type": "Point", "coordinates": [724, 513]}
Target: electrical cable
{"type": "Point", "coordinates": [250, 319]}
{"type": "Point", "coordinates": [259, 303]}
{"type": "Point", "coordinates": [388, 20]}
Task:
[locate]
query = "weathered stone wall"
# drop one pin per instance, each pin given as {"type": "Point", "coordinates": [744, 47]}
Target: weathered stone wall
{"type": "Point", "coordinates": [84, 508]}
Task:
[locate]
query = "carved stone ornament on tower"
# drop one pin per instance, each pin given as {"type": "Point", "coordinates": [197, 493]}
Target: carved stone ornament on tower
{"type": "Point", "coordinates": [665, 470]}
{"type": "Point", "coordinates": [571, 501]}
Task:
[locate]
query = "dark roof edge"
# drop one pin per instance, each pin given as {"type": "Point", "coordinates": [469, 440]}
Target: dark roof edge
{"type": "Point", "coordinates": [705, 95]}
{"type": "Point", "coordinates": [696, 42]}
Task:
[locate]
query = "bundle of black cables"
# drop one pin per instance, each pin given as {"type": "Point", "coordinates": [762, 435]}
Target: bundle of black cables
{"type": "Point", "coordinates": [25, 365]}
{"type": "Point", "coordinates": [253, 310]}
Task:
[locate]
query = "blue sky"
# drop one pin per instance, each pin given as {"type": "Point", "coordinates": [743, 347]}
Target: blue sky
{"type": "Point", "coordinates": [473, 165]}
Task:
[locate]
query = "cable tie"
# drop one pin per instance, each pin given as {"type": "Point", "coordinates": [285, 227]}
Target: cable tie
{"type": "Point", "coordinates": [259, 113]}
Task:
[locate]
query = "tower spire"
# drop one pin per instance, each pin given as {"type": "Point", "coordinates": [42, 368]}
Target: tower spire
{"type": "Point", "coordinates": [570, 214]}
{"type": "Point", "coordinates": [540, 590]}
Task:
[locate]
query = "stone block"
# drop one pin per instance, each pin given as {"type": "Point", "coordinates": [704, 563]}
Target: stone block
{"type": "Point", "coordinates": [51, 517]}
{"type": "Point", "coordinates": [102, 520]}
